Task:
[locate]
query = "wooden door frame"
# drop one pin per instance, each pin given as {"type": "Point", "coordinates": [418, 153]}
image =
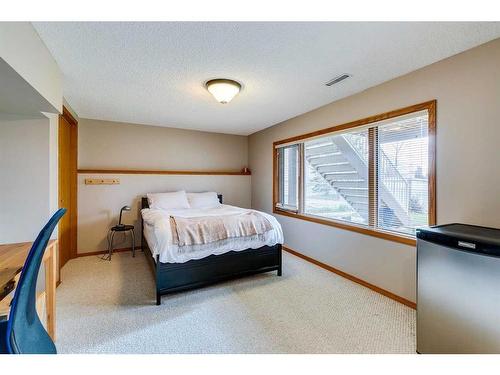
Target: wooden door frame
{"type": "Point", "coordinates": [73, 212]}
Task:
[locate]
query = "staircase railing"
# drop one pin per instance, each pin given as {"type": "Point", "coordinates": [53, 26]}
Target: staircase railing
{"type": "Point", "coordinates": [393, 181]}
{"type": "Point", "coordinates": [389, 175]}
{"type": "Point", "coordinates": [359, 143]}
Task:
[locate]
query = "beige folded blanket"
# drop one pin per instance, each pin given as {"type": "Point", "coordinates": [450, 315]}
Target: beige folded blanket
{"type": "Point", "coordinates": [203, 230]}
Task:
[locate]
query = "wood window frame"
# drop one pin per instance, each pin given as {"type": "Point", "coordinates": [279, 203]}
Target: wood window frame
{"type": "Point", "coordinates": [371, 230]}
{"type": "Point", "coordinates": [300, 184]}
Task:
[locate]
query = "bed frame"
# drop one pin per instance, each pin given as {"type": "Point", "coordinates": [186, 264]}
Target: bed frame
{"type": "Point", "coordinates": [176, 277]}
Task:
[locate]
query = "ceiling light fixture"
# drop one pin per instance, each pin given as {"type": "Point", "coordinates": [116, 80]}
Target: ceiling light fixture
{"type": "Point", "coordinates": [223, 90]}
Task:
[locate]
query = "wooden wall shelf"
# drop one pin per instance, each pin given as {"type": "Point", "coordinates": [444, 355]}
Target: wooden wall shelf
{"type": "Point", "coordinates": [163, 172]}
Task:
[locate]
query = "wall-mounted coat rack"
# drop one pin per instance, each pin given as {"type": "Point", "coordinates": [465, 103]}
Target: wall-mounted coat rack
{"type": "Point", "coordinates": [102, 181]}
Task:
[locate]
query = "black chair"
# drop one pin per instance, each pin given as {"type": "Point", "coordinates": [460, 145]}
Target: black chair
{"type": "Point", "coordinates": [24, 333]}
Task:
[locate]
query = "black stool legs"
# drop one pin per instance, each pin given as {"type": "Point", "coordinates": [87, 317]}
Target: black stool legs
{"type": "Point", "coordinates": [111, 236]}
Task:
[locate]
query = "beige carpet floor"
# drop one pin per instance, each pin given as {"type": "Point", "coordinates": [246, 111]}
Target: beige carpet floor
{"type": "Point", "coordinates": [108, 307]}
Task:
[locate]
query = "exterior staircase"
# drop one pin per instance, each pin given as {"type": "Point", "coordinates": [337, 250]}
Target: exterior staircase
{"type": "Point", "coordinates": [342, 162]}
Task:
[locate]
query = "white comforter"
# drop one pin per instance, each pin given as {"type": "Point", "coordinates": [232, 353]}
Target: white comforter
{"type": "Point", "coordinates": [158, 233]}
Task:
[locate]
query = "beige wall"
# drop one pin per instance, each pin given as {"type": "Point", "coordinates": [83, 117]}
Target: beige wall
{"type": "Point", "coordinates": [22, 48]}
{"type": "Point", "coordinates": [24, 178]}
{"type": "Point", "coordinates": [99, 205]}
{"type": "Point", "coordinates": [108, 145]}
{"type": "Point", "coordinates": [467, 89]}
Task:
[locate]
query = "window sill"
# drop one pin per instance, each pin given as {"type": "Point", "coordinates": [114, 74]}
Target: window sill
{"type": "Point", "coordinates": [407, 240]}
{"type": "Point", "coordinates": [289, 210]}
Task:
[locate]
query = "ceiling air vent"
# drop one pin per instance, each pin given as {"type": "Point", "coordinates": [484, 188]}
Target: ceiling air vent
{"type": "Point", "coordinates": [338, 79]}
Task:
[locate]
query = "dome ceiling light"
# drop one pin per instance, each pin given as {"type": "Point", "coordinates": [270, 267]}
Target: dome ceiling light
{"type": "Point", "coordinates": [223, 90]}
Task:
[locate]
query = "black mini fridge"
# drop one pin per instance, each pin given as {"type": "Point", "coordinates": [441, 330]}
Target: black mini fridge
{"type": "Point", "coordinates": [458, 289]}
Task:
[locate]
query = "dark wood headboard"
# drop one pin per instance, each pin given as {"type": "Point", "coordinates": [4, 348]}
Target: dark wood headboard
{"type": "Point", "coordinates": [145, 203]}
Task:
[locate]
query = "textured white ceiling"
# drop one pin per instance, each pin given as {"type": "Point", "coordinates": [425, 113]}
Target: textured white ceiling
{"type": "Point", "coordinates": [153, 73]}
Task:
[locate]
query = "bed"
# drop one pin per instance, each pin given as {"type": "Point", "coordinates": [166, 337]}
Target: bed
{"type": "Point", "coordinates": [176, 271]}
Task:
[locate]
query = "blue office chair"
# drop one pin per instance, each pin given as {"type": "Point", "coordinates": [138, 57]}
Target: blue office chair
{"type": "Point", "coordinates": [23, 333]}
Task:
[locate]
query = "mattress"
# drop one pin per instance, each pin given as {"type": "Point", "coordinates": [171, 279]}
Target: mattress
{"type": "Point", "coordinates": [158, 233]}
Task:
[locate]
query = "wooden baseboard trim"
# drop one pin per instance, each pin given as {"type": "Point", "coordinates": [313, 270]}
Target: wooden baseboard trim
{"type": "Point", "coordinates": [79, 255]}
{"type": "Point", "coordinates": [366, 284]}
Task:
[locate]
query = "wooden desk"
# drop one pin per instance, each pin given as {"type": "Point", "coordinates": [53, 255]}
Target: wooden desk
{"type": "Point", "coordinates": [12, 258]}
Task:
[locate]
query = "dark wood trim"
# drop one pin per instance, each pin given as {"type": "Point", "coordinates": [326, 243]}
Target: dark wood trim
{"type": "Point", "coordinates": [68, 116]}
{"type": "Point", "coordinates": [432, 163]}
{"type": "Point", "coordinates": [275, 177]}
{"type": "Point", "coordinates": [73, 185]}
{"type": "Point", "coordinates": [375, 288]}
{"type": "Point", "coordinates": [101, 252]}
{"type": "Point", "coordinates": [70, 162]}
{"type": "Point", "coordinates": [368, 120]}
{"type": "Point", "coordinates": [351, 227]}
{"type": "Point", "coordinates": [163, 172]}
{"type": "Point", "coordinates": [430, 106]}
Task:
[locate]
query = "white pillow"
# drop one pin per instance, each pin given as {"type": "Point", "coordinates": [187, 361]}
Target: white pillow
{"type": "Point", "coordinates": [166, 201]}
{"type": "Point", "coordinates": [203, 200]}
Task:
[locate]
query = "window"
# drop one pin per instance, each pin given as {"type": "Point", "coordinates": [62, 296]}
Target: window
{"type": "Point", "coordinates": [336, 183]}
{"type": "Point", "coordinates": [403, 175]}
{"type": "Point", "coordinates": [288, 172]}
{"type": "Point", "coordinates": [374, 176]}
